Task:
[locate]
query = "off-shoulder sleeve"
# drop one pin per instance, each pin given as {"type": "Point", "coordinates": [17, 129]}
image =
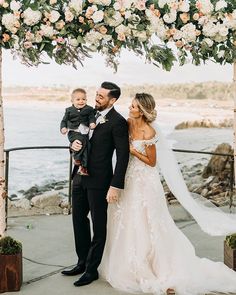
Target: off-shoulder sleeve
{"type": "Point", "coordinates": [151, 141]}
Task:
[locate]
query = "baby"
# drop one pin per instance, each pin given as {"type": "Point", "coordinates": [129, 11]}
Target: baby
{"type": "Point", "coordinates": [77, 121]}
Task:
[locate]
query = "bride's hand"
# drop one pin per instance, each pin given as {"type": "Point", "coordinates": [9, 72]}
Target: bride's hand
{"type": "Point", "coordinates": [131, 149]}
{"type": "Point", "coordinates": [112, 195]}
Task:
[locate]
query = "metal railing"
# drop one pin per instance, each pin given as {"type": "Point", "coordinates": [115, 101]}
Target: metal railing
{"type": "Point", "coordinates": [7, 162]}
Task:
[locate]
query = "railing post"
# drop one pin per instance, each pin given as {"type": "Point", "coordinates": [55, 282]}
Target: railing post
{"type": "Point", "coordinates": [70, 185]}
{"type": "Point", "coordinates": [7, 158]}
{"type": "Point", "coordinates": [231, 183]}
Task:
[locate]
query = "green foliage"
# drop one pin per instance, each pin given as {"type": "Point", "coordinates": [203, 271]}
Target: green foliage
{"type": "Point", "coordinates": [9, 246]}
{"type": "Point", "coordinates": [231, 241]}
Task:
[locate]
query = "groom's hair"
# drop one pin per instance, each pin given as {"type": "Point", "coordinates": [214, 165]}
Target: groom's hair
{"type": "Point", "coordinates": [114, 89]}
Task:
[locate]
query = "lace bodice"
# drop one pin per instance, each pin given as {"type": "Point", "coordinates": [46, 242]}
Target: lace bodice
{"type": "Point", "coordinates": [139, 144]}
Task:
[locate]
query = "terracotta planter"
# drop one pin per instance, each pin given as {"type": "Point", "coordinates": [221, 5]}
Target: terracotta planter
{"type": "Point", "coordinates": [10, 272]}
{"type": "Point", "coordinates": [229, 256]}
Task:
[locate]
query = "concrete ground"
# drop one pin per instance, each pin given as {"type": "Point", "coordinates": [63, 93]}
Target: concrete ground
{"type": "Point", "coordinates": [48, 248]}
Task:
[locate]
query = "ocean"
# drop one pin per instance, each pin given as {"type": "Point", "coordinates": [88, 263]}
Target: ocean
{"type": "Point", "coordinates": [37, 124]}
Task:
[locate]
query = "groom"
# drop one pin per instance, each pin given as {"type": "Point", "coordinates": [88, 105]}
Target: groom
{"type": "Point", "coordinates": [91, 193]}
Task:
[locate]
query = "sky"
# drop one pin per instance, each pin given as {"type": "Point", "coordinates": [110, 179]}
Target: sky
{"type": "Point", "coordinates": [132, 70]}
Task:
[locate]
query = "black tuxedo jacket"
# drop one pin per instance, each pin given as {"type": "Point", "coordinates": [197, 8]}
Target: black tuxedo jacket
{"type": "Point", "coordinates": [107, 137]}
{"type": "Point", "coordinates": [74, 117]}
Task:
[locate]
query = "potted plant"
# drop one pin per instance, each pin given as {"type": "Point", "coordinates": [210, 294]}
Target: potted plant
{"type": "Point", "coordinates": [10, 264]}
{"type": "Point", "coordinates": [230, 251]}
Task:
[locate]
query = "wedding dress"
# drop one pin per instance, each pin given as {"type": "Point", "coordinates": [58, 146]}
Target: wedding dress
{"type": "Point", "coordinates": [145, 251]}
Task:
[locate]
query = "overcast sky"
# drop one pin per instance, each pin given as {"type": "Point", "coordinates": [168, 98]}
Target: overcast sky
{"type": "Point", "coordinates": [132, 70]}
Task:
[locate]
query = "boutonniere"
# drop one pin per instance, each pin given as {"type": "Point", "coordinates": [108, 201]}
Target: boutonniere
{"type": "Point", "coordinates": [102, 120]}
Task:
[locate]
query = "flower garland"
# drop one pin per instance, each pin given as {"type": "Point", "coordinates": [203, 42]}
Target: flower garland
{"type": "Point", "coordinates": [68, 31]}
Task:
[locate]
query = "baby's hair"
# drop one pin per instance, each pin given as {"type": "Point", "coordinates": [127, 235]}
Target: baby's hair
{"type": "Point", "coordinates": [78, 90]}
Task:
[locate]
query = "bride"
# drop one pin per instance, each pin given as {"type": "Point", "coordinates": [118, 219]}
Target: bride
{"type": "Point", "coordinates": [145, 251]}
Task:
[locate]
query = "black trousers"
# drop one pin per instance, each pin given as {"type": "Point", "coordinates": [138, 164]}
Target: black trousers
{"type": "Point", "coordinates": [85, 200]}
{"type": "Point", "coordinates": [81, 155]}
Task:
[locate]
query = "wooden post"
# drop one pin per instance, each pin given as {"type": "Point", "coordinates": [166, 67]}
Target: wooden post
{"type": "Point", "coordinates": [2, 181]}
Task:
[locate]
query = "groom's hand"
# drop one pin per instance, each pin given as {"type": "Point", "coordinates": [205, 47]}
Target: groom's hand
{"type": "Point", "coordinates": [76, 145]}
{"type": "Point", "coordinates": [113, 195]}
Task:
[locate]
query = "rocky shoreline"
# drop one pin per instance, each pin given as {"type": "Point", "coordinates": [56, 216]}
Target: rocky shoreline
{"type": "Point", "coordinates": [211, 181]}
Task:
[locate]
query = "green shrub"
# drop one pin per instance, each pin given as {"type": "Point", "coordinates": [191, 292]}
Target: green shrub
{"type": "Point", "coordinates": [9, 246]}
{"type": "Point", "coordinates": [231, 241]}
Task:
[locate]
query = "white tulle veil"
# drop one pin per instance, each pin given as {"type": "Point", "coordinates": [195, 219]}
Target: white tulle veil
{"type": "Point", "coordinates": [211, 219]}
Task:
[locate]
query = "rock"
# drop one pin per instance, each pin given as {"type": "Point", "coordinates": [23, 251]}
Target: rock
{"type": "Point", "coordinates": [205, 123]}
{"type": "Point", "coordinates": [47, 199]}
{"type": "Point", "coordinates": [64, 203]}
{"type": "Point", "coordinates": [13, 197]}
{"type": "Point", "coordinates": [204, 192]}
{"type": "Point", "coordinates": [22, 203]}
{"type": "Point", "coordinates": [217, 164]}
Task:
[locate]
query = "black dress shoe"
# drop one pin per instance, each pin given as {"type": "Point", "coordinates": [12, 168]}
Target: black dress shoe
{"type": "Point", "coordinates": [86, 279]}
{"type": "Point", "coordinates": [78, 269]}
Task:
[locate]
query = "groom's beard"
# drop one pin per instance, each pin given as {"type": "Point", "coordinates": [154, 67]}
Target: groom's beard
{"type": "Point", "coordinates": [100, 107]}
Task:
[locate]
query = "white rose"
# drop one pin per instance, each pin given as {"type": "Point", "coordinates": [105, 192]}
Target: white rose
{"type": "Point", "coordinates": [220, 5]}
{"type": "Point", "coordinates": [184, 7]}
{"type": "Point", "coordinates": [98, 16]}
{"type": "Point", "coordinates": [115, 20]}
{"type": "Point", "coordinates": [178, 35]}
{"type": "Point", "coordinates": [15, 5]}
{"type": "Point", "coordinates": [47, 31]}
{"type": "Point", "coordinates": [73, 42]}
{"type": "Point", "coordinates": [170, 17]}
{"type": "Point", "coordinates": [102, 2]}
{"type": "Point", "coordinates": [189, 32]}
{"type": "Point", "coordinates": [206, 6]}
{"type": "Point", "coordinates": [9, 20]}
{"type": "Point", "coordinates": [208, 41]}
{"type": "Point", "coordinates": [142, 36]}
{"type": "Point", "coordinates": [128, 14]}
{"type": "Point", "coordinates": [54, 16]}
{"type": "Point", "coordinates": [223, 31]}
{"type": "Point", "coordinates": [32, 17]}
{"type": "Point", "coordinates": [117, 6]}
{"type": "Point", "coordinates": [162, 3]}
{"type": "Point", "coordinates": [220, 54]}
{"type": "Point", "coordinates": [76, 6]}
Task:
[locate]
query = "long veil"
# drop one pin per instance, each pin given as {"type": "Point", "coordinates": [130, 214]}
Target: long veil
{"type": "Point", "coordinates": [211, 219]}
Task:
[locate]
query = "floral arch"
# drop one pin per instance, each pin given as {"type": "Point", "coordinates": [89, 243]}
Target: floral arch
{"type": "Point", "coordinates": [164, 31]}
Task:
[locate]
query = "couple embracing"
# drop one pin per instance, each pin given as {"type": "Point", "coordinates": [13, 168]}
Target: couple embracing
{"type": "Point", "coordinates": [135, 243]}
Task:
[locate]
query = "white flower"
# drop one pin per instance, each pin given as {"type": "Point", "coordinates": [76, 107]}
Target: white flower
{"type": "Point", "coordinates": [73, 42]}
{"type": "Point", "coordinates": [102, 2]}
{"type": "Point", "coordinates": [32, 17]}
{"type": "Point", "coordinates": [208, 41]}
{"type": "Point", "coordinates": [223, 31]}
{"type": "Point", "coordinates": [220, 5]}
{"type": "Point", "coordinates": [184, 6]}
{"type": "Point", "coordinates": [189, 32]}
{"type": "Point", "coordinates": [9, 20]}
{"type": "Point", "coordinates": [178, 35]}
{"type": "Point", "coordinates": [220, 54]}
{"type": "Point", "coordinates": [54, 16]}
{"type": "Point", "coordinates": [69, 16]}
{"type": "Point", "coordinates": [128, 14]}
{"type": "Point", "coordinates": [93, 38]}
{"type": "Point", "coordinates": [142, 36]}
{"type": "Point", "coordinates": [206, 7]}
{"type": "Point", "coordinates": [98, 16]}
{"type": "Point", "coordinates": [47, 31]}
{"type": "Point", "coordinates": [115, 20]}
{"type": "Point", "coordinates": [209, 29]}
{"type": "Point", "coordinates": [121, 29]}
{"type": "Point", "coordinates": [15, 5]}
{"type": "Point", "coordinates": [76, 6]}
{"type": "Point", "coordinates": [170, 17]}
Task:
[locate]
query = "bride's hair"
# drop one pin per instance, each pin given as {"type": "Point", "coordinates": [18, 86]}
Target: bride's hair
{"type": "Point", "coordinates": [147, 105]}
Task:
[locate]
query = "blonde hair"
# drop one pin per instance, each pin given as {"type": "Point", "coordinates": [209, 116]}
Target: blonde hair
{"type": "Point", "coordinates": [146, 104]}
